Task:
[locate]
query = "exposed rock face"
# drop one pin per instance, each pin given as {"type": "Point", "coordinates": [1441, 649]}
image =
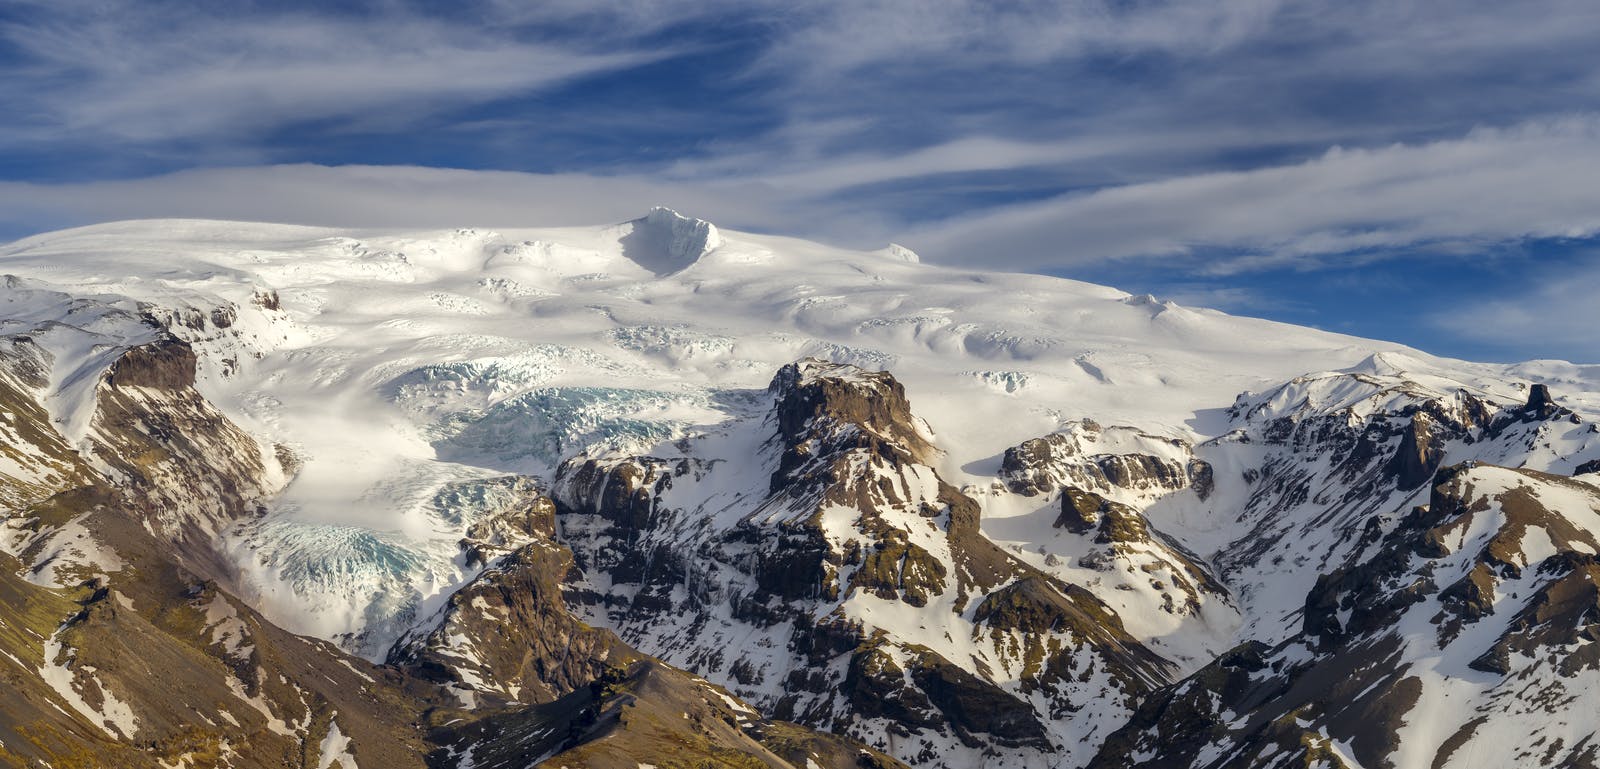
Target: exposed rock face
{"type": "Point", "coordinates": [165, 364]}
{"type": "Point", "coordinates": [1081, 511]}
{"type": "Point", "coordinates": [646, 714]}
{"type": "Point", "coordinates": [1097, 481]}
{"type": "Point", "coordinates": [1540, 405]}
{"type": "Point", "coordinates": [1339, 450]}
{"type": "Point", "coordinates": [529, 516]}
{"type": "Point", "coordinates": [1094, 458]}
{"type": "Point", "coordinates": [1419, 455]}
{"type": "Point", "coordinates": [1505, 580]}
{"type": "Point", "coordinates": [40, 461]}
{"type": "Point", "coordinates": [852, 517]}
{"type": "Point", "coordinates": [189, 470]}
{"type": "Point", "coordinates": [509, 633]}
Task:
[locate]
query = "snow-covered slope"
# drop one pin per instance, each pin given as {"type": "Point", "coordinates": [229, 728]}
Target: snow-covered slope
{"type": "Point", "coordinates": [1193, 472]}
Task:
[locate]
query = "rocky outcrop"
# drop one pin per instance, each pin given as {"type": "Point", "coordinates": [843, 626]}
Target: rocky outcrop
{"type": "Point", "coordinates": [1540, 405]}
{"type": "Point", "coordinates": [852, 516]}
{"type": "Point", "coordinates": [1088, 456]}
{"type": "Point", "coordinates": [526, 514]}
{"type": "Point", "coordinates": [1096, 483]}
{"type": "Point", "coordinates": [1340, 455]}
{"type": "Point", "coordinates": [646, 714]}
{"type": "Point", "coordinates": [1421, 450]}
{"type": "Point", "coordinates": [39, 461]}
{"type": "Point", "coordinates": [1489, 544]}
{"type": "Point", "coordinates": [824, 410]}
{"type": "Point", "coordinates": [509, 635]}
{"type": "Point", "coordinates": [165, 364]}
{"type": "Point", "coordinates": [180, 462]}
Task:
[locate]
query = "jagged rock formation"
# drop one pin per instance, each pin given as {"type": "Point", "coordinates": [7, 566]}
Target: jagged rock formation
{"type": "Point", "coordinates": [851, 529]}
{"type": "Point", "coordinates": [1088, 457]}
{"type": "Point", "coordinates": [1498, 569]}
{"type": "Point", "coordinates": [1344, 451]}
{"type": "Point", "coordinates": [1093, 483]}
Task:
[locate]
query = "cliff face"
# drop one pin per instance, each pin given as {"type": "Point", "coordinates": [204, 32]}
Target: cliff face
{"type": "Point", "coordinates": [185, 468]}
{"type": "Point", "coordinates": [851, 578]}
{"type": "Point", "coordinates": [1487, 579]}
{"type": "Point", "coordinates": [1424, 609]}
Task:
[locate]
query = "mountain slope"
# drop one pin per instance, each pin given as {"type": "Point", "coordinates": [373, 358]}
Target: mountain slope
{"type": "Point", "coordinates": [573, 495]}
{"type": "Point", "coordinates": [123, 644]}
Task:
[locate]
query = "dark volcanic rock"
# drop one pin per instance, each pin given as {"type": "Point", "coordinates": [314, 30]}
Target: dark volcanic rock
{"type": "Point", "coordinates": [1421, 451]}
{"type": "Point", "coordinates": [1081, 511]}
{"type": "Point", "coordinates": [1540, 404]}
{"type": "Point", "coordinates": [165, 364]}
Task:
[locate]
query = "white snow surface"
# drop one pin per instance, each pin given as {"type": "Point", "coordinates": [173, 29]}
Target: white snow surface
{"type": "Point", "coordinates": [335, 748]}
{"type": "Point", "coordinates": [397, 363]}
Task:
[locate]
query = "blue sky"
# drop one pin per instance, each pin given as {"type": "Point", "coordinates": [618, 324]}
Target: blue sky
{"type": "Point", "coordinates": [1427, 172]}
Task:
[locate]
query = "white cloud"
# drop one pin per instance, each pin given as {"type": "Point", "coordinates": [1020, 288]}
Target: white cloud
{"type": "Point", "coordinates": [148, 74]}
{"type": "Point", "coordinates": [1492, 185]}
{"type": "Point", "coordinates": [358, 196]}
{"type": "Point", "coordinates": [842, 36]}
{"type": "Point", "coordinates": [819, 173]}
{"type": "Point", "coordinates": [1552, 313]}
{"type": "Point", "coordinates": [417, 197]}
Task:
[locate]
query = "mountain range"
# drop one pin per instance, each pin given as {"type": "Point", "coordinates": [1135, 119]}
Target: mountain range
{"type": "Point", "coordinates": [662, 495]}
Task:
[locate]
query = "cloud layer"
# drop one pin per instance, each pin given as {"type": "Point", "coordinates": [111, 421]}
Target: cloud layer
{"type": "Point", "coordinates": [1533, 181]}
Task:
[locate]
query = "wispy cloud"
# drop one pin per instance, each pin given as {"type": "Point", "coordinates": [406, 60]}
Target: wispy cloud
{"type": "Point", "coordinates": [358, 196]}
{"type": "Point", "coordinates": [141, 73]}
{"type": "Point", "coordinates": [1535, 180]}
{"type": "Point", "coordinates": [419, 197]}
{"type": "Point", "coordinates": [1490, 186]}
{"type": "Point", "coordinates": [1548, 313]}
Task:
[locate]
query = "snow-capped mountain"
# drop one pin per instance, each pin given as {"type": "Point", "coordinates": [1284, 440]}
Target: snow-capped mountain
{"type": "Point", "coordinates": [280, 495]}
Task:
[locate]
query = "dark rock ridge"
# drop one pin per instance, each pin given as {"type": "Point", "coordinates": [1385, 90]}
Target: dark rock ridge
{"type": "Point", "coordinates": [1362, 680]}
{"type": "Point", "coordinates": [1328, 471]}
{"type": "Point", "coordinates": [1042, 465]}
{"type": "Point", "coordinates": [1100, 478]}
{"type": "Point", "coordinates": [189, 470]}
{"type": "Point", "coordinates": [851, 508]}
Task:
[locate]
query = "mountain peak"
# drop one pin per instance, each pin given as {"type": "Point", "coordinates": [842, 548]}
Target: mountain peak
{"type": "Point", "coordinates": [900, 253]}
{"type": "Point", "coordinates": [665, 241]}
